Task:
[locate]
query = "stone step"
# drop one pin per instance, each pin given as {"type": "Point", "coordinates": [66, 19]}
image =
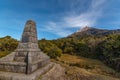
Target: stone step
{"type": "Point", "coordinates": [18, 76]}
{"type": "Point", "coordinates": [20, 59]}
{"type": "Point", "coordinates": [21, 54]}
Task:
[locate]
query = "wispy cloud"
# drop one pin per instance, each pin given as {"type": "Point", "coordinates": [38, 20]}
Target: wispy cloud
{"type": "Point", "coordinates": [88, 18]}
{"type": "Point", "coordinates": [57, 29]}
{"type": "Point", "coordinates": [77, 20]}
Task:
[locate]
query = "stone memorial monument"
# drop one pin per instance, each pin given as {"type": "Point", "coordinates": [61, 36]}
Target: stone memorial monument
{"type": "Point", "coordinates": [27, 59]}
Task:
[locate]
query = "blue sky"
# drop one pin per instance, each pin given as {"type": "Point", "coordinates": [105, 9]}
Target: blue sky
{"type": "Point", "coordinates": [57, 18]}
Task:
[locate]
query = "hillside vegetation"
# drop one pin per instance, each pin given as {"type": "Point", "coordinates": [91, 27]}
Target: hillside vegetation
{"type": "Point", "coordinates": [105, 48]}
{"type": "Point", "coordinates": [7, 45]}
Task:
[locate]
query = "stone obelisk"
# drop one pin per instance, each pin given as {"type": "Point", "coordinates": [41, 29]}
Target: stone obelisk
{"type": "Point", "coordinates": [27, 58]}
{"type": "Point", "coordinates": [28, 50]}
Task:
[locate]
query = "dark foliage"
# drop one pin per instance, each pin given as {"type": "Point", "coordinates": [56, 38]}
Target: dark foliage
{"type": "Point", "coordinates": [106, 48]}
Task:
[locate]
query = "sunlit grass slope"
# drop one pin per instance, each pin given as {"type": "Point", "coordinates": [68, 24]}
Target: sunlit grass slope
{"type": "Point", "coordinates": [80, 68]}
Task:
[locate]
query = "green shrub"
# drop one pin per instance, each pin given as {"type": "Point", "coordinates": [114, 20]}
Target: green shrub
{"type": "Point", "coordinates": [54, 52]}
{"type": "Point", "coordinates": [49, 48]}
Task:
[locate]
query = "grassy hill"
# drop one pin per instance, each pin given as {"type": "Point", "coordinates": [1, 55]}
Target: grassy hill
{"type": "Point", "coordinates": [81, 68]}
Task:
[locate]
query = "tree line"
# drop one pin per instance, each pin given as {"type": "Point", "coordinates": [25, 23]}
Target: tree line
{"type": "Point", "coordinates": [105, 48]}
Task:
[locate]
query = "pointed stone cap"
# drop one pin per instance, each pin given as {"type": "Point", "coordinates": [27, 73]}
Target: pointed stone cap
{"type": "Point", "coordinates": [30, 32]}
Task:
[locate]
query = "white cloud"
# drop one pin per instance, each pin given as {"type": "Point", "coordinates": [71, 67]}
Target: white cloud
{"type": "Point", "coordinates": [87, 18]}
{"type": "Point", "coordinates": [81, 20]}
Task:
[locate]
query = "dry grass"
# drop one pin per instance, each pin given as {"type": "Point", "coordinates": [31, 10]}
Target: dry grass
{"type": "Point", "coordinates": [4, 53]}
{"type": "Point", "coordinates": [89, 69]}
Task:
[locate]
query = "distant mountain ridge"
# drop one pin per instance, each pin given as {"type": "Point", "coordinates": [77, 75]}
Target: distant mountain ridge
{"type": "Point", "coordinates": [90, 31]}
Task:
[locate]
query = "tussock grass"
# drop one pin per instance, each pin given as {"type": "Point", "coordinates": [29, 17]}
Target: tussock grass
{"type": "Point", "coordinates": [90, 69]}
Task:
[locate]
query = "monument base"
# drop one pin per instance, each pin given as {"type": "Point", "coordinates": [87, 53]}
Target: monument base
{"type": "Point", "coordinates": [19, 76]}
{"type": "Point", "coordinates": [8, 63]}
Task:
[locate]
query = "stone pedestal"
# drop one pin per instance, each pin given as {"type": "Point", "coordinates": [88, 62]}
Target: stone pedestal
{"type": "Point", "coordinates": [27, 58]}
